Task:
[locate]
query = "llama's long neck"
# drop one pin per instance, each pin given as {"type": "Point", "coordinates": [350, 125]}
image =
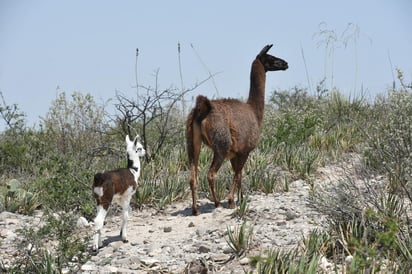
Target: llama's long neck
{"type": "Point", "coordinates": [134, 166]}
{"type": "Point", "coordinates": [257, 89]}
{"type": "Point", "coordinates": [133, 163]}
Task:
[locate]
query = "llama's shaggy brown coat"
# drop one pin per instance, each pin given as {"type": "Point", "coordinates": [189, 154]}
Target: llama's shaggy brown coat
{"type": "Point", "coordinates": [229, 127]}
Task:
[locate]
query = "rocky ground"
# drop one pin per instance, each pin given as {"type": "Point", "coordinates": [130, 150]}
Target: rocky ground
{"type": "Point", "coordinates": [174, 241]}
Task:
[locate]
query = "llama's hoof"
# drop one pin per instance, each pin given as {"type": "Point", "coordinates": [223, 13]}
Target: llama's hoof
{"type": "Point", "coordinates": [231, 204]}
{"type": "Point", "coordinates": [218, 205]}
{"type": "Point", "coordinates": [95, 249]}
{"type": "Point", "coordinates": [195, 212]}
{"type": "Point", "coordinates": [124, 240]}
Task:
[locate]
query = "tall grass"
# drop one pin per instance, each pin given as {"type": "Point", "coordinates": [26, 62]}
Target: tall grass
{"type": "Point", "coordinates": [292, 261]}
{"type": "Point", "coordinates": [304, 131]}
{"type": "Point", "coordinates": [375, 227]}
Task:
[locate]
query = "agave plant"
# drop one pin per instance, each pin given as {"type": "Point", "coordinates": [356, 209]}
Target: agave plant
{"type": "Point", "coordinates": [240, 239]}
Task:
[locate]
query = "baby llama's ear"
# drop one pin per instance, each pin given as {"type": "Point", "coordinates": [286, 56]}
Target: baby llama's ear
{"type": "Point", "coordinates": [128, 139]}
{"type": "Point", "coordinates": [136, 139]}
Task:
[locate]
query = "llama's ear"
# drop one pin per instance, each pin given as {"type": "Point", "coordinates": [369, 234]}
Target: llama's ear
{"type": "Point", "coordinates": [136, 139]}
{"type": "Point", "coordinates": [265, 49]}
{"type": "Point", "coordinates": [128, 139]}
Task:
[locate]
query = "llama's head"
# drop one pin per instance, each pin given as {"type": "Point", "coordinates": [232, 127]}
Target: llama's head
{"type": "Point", "coordinates": [134, 150]}
{"type": "Point", "coordinates": [270, 62]}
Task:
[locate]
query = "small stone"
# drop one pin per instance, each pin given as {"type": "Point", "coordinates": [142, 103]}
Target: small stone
{"type": "Point", "coordinates": [290, 215]}
{"type": "Point", "coordinates": [155, 252]}
{"type": "Point", "coordinates": [324, 264]}
{"type": "Point", "coordinates": [281, 223]}
{"type": "Point", "coordinates": [5, 233]}
{"type": "Point", "coordinates": [116, 245]}
{"type": "Point", "coordinates": [110, 269]}
{"type": "Point", "coordinates": [227, 250]}
{"type": "Point", "coordinates": [244, 261]}
{"type": "Point", "coordinates": [123, 261]}
{"type": "Point", "coordinates": [220, 257]}
{"type": "Point", "coordinates": [167, 229]}
{"type": "Point", "coordinates": [168, 249]}
{"type": "Point", "coordinates": [204, 249]}
{"type": "Point", "coordinates": [149, 261]}
{"type": "Point", "coordinates": [121, 270]}
{"type": "Point", "coordinates": [191, 224]}
{"type": "Point", "coordinates": [88, 267]}
{"type": "Point", "coordinates": [200, 232]}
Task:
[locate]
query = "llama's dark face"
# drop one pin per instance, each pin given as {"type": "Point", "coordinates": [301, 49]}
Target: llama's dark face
{"type": "Point", "coordinates": [270, 62]}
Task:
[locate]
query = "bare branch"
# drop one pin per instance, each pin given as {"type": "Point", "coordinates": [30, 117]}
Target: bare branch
{"type": "Point", "coordinates": [153, 114]}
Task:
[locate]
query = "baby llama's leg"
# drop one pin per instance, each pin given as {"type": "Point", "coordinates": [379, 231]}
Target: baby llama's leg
{"type": "Point", "coordinates": [125, 208]}
{"type": "Point", "coordinates": [123, 231]}
{"type": "Point", "coordinates": [98, 222]}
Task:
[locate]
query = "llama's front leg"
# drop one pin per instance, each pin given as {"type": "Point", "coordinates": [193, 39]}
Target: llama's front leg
{"type": "Point", "coordinates": [98, 222]}
{"type": "Point", "coordinates": [123, 231]}
{"type": "Point", "coordinates": [237, 165]}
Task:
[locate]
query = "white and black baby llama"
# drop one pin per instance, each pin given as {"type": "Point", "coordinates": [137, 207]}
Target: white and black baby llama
{"type": "Point", "coordinates": [117, 186]}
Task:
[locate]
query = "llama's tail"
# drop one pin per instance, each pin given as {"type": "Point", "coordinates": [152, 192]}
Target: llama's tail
{"type": "Point", "coordinates": [202, 108]}
{"type": "Point", "coordinates": [193, 131]}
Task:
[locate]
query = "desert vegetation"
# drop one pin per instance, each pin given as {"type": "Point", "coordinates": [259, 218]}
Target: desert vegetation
{"type": "Point", "coordinates": [50, 167]}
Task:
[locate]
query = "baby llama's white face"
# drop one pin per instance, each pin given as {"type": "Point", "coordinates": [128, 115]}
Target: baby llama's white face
{"type": "Point", "coordinates": [134, 149]}
{"type": "Point", "coordinates": [138, 149]}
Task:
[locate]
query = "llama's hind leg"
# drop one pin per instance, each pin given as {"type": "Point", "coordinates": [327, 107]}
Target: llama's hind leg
{"type": "Point", "coordinates": [211, 176]}
{"type": "Point", "coordinates": [194, 142]}
{"type": "Point", "coordinates": [193, 188]}
{"type": "Point", "coordinates": [98, 222]}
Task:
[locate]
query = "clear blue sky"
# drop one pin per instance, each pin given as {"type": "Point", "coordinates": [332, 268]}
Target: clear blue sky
{"type": "Point", "coordinates": [89, 46]}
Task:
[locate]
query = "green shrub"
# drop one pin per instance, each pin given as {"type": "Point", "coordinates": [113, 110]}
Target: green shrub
{"type": "Point", "coordinates": [302, 131]}
{"type": "Point", "coordinates": [65, 248]}
{"type": "Point", "coordinates": [66, 186]}
{"type": "Point", "coordinates": [14, 198]}
{"type": "Point", "coordinates": [389, 139]}
{"type": "Point", "coordinates": [373, 228]}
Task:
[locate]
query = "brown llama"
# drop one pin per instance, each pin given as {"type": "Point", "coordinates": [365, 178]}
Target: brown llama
{"type": "Point", "coordinates": [230, 128]}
